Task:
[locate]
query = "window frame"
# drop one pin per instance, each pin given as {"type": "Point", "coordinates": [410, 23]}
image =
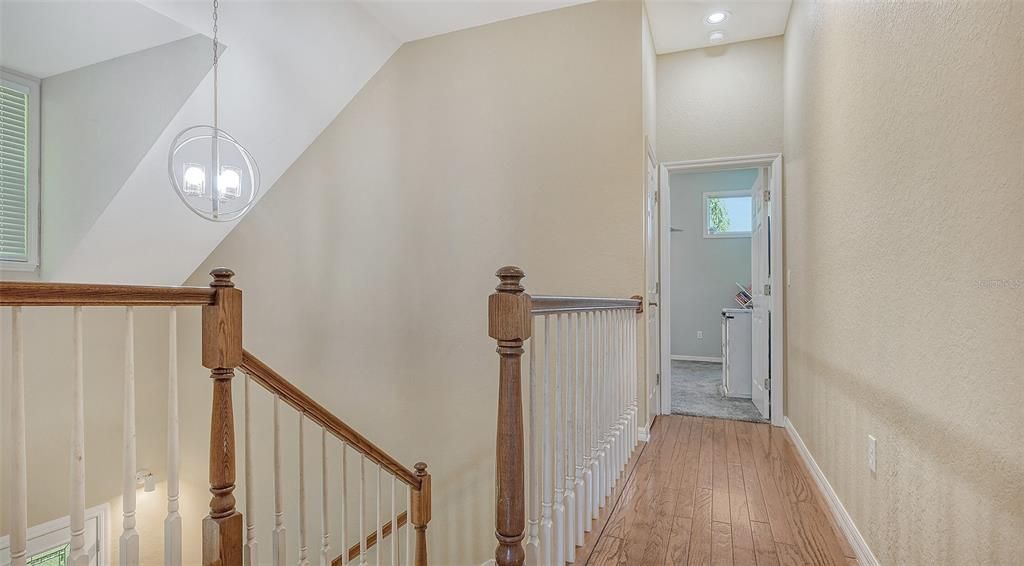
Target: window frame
{"type": "Point", "coordinates": [707, 196]}
{"type": "Point", "coordinates": [30, 86]}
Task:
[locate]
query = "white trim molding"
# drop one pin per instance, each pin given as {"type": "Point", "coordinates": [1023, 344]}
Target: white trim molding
{"type": "Point", "coordinates": [712, 359]}
{"type": "Point", "coordinates": [643, 434]}
{"type": "Point", "coordinates": [860, 546]}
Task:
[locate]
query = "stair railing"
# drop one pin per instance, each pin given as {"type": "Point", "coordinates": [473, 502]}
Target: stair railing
{"type": "Point", "coordinates": [583, 415]}
{"type": "Point", "coordinates": [223, 541]}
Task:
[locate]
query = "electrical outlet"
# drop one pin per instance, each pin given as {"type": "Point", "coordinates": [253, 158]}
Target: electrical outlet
{"type": "Point", "coordinates": [871, 454]}
{"type": "Point", "coordinates": [700, 335]}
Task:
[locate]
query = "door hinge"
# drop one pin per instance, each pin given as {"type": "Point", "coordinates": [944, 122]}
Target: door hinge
{"type": "Point", "coordinates": [767, 384]}
{"type": "Point", "coordinates": [767, 196]}
{"type": "Point", "coordinates": [767, 289]}
{"type": "Point", "coordinates": [657, 288]}
{"type": "Point", "coordinates": [657, 379]}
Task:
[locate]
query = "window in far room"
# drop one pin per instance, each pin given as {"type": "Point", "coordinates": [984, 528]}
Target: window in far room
{"type": "Point", "coordinates": [19, 171]}
{"type": "Point", "coordinates": [727, 214]}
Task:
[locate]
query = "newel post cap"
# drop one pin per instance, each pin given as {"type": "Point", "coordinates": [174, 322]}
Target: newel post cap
{"type": "Point", "coordinates": [222, 277]}
{"type": "Point", "coordinates": [508, 308]}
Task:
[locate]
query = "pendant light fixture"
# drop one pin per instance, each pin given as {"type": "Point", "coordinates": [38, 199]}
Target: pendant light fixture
{"type": "Point", "coordinates": [211, 172]}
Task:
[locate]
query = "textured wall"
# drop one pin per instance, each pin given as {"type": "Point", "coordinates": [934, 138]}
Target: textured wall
{"type": "Point", "coordinates": [704, 270]}
{"type": "Point", "coordinates": [366, 269]}
{"type": "Point", "coordinates": [904, 177]}
{"type": "Point", "coordinates": [720, 101]}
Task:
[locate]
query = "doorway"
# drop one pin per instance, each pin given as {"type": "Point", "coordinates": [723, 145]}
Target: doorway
{"type": "Point", "coordinates": [721, 315]}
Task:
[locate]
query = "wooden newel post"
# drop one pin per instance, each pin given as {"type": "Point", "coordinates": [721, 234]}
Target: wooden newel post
{"type": "Point", "coordinates": [222, 352]}
{"type": "Point", "coordinates": [509, 322]}
{"type": "Point", "coordinates": [421, 513]}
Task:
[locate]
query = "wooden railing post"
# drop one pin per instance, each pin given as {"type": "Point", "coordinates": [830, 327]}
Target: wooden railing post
{"type": "Point", "coordinates": [420, 513]}
{"type": "Point", "coordinates": [509, 322]}
{"type": "Point", "coordinates": [222, 352]}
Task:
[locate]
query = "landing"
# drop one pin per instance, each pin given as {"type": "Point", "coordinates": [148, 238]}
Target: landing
{"type": "Point", "coordinates": [714, 491]}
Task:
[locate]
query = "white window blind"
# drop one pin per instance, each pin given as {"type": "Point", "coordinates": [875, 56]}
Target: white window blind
{"type": "Point", "coordinates": [17, 175]}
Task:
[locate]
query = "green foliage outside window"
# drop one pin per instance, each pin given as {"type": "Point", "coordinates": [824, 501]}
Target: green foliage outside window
{"type": "Point", "coordinates": [718, 216]}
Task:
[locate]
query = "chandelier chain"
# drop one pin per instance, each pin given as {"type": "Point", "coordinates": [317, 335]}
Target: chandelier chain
{"type": "Point", "coordinates": [216, 58]}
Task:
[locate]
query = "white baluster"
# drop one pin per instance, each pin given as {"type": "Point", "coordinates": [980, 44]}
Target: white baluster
{"type": "Point", "coordinates": [19, 479]}
{"type": "Point", "coordinates": [380, 527]}
{"type": "Point", "coordinates": [546, 522]}
{"type": "Point", "coordinates": [532, 544]}
{"type": "Point", "coordinates": [362, 509]}
{"type": "Point", "coordinates": [303, 548]}
{"type": "Point", "coordinates": [79, 556]}
{"type": "Point", "coordinates": [394, 525]}
{"type": "Point", "coordinates": [569, 456]}
{"type": "Point", "coordinates": [558, 422]}
{"type": "Point", "coordinates": [280, 533]}
{"type": "Point", "coordinates": [579, 447]}
{"type": "Point", "coordinates": [250, 556]}
{"type": "Point", "coordinates": [594, 423]}
{"type": "Point", "coordinates": [617, 391]}
{"type": "Point", "coordinates": [633, 408]}
{"type": "Point", "coordinates": [129, 542]}
{"type": "Point", "coordinates": [408, 525]}
{"type": "Point", "coordinates": [606, 380]}
{"type": "Point", "coordinates": [344, 504]}
{"type": "Point", "coordinates": [325, 528]}
{"type": "Point", "coordinates": [172, 524]}
{"type": "Point", "coordinates": [588, 445]}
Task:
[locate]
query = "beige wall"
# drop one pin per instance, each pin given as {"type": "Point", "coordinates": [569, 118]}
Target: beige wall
{"type": "Point", "coordinates": [720, 101]}
{"type": "Point", "coordinates": [650, 75]}
{"type": "Point", "coordinates": [904, 147]}
{"type": "Point", "coordinates": [366, 268]}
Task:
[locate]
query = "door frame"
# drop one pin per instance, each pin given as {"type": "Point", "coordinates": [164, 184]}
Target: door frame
{"type": "Point", "coordinates": [776, 299]}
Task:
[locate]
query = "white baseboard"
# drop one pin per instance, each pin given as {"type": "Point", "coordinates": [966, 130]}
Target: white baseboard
{"type": "Point", "coordinates": [643, 435]}
{"type": "Point", "coordinates": [696, 359]}
{"type": "Point", "coordinates": [860, 546]}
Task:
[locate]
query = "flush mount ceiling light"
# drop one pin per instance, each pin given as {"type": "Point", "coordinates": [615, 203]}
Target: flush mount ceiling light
{"type": "Point", "coordinates": [717, 17]}
{"type": "Point", "coordinates": [716, 36]}
{"type": "Point", "coordinates": [211, 172]}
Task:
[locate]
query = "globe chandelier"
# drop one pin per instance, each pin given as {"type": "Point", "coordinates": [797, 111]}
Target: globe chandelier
{"type": "Point", "coordinates": [213, 174]}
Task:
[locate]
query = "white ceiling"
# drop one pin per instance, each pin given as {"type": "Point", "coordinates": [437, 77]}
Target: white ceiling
{"type": "Point", "coordinates": [410, 20]}
{"type": "Point", "coordinates": [679, 24]}
{"type": "Point", "coordinates": [43, 39]}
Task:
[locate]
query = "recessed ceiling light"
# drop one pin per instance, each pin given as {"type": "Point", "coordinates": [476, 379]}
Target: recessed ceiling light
{"type": "Point", "coordinates": [717, 17]}
{"type": "Point", "coordinates": [716, 36]}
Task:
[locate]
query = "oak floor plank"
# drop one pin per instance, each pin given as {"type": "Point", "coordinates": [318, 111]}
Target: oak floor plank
{"type": "Point", "coordinates": [720, 476]}
{"type": "Point", "coordinates": [775, 506]}
{"type": "Point", "coordinates": [721, 544]}
{"type": "Point", "coordinates": [598, 524]}
{"type": "Point", "coordinates": [688, 478]}
{"type": "Point", "coordinates": [732, 449]}
{"type": "Point", "coordinates": [704, 466]}
{"type": "Point", "coordinates": [789, 555]}
{"type": "Point", "coordinates": [742, 539]}
{"type": "Point", "coordinates": [818, 541]}
{"type": "Point", "coordinates": [751, 483]}
{"type": "Point", "coordinates": [609, 552]}
{"type": "Point", "coordinates": [764, 546]}
{"type": "Point", "coordinates": [700, 529]}
{"type": "Point", "coordinates": [679, 542]}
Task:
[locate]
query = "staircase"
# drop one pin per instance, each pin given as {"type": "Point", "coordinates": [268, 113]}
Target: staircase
{"type": "Point", "coordinates": [558, 464]}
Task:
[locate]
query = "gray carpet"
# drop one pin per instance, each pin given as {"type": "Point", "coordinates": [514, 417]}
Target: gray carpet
{"type": "Point", "coordinates": [696, 390]}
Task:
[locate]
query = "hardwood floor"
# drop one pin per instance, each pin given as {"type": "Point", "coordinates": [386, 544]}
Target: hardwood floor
{"type": "Point", "coordinates": [712, 491]}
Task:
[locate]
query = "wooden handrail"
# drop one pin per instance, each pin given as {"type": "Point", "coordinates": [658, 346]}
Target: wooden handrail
{"type": "Point", "coordinates": [272, 381]}
{"type": "Point", "coordinates": [549, 304]}
{"type": "Point", "coordinates": [42, 294]}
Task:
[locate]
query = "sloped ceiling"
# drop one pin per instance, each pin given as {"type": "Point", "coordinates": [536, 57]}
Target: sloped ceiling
{"type": "Point", "coordinates": [288, 69]}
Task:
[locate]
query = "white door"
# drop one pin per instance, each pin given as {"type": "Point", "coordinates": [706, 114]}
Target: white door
{"type": "Point", "coordinates": [653, 291]}
{"type": "Point", "coordinates": [760, 283]}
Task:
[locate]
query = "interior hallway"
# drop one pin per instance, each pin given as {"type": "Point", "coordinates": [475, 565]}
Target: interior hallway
{"type": "Point", "coordinates": [715, 491]}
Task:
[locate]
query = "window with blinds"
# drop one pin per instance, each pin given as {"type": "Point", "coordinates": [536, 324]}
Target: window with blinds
{"type": "Point", "coordinates": [18, 173]}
